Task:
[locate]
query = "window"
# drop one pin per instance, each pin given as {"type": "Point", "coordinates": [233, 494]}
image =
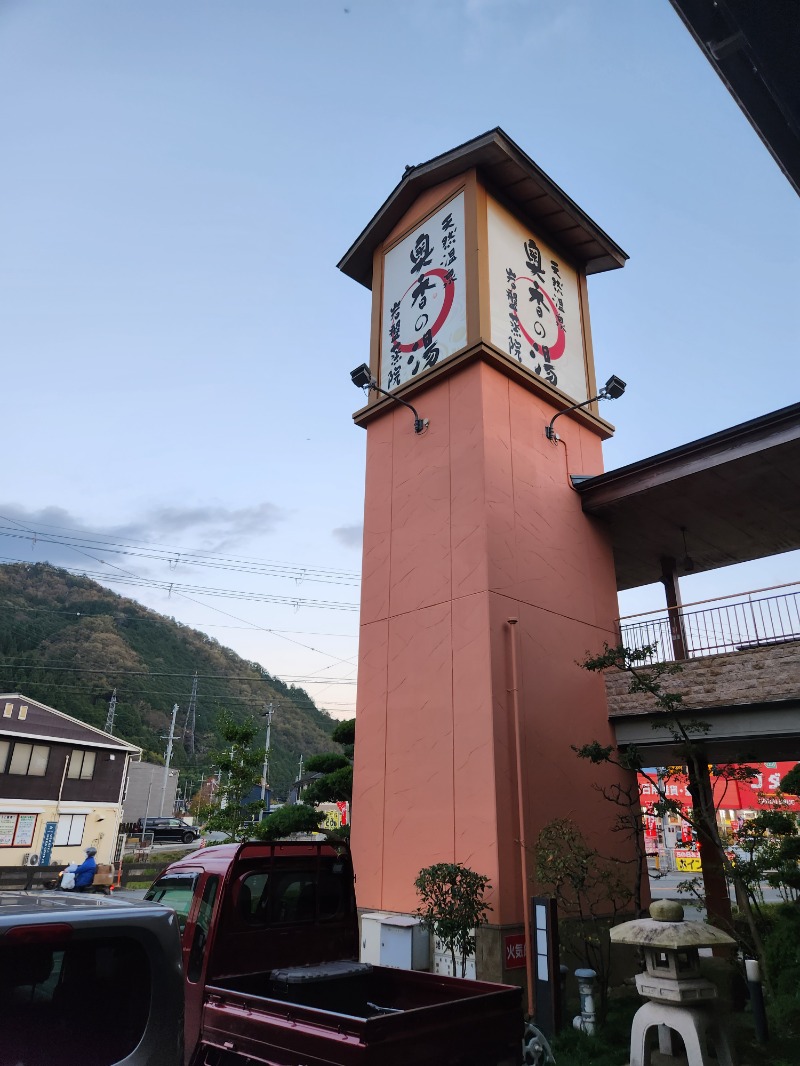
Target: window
{"type": "Point", "coordinates": [175, 891]}
{"type": "Point", "coordinates": [29, 759]}
{"type": "Point", "coordinates": [320, 893]}
{"type": "Point", "coordinates": [70, 830]}
{"type": "Point", "coordinates": [5, 747]}
{"type": "Point", "coordinates": [201, 928]}
{"type": "Point", "coordinates": [81, 764]}
{"type": "Point", "coordinates": [47, 986]}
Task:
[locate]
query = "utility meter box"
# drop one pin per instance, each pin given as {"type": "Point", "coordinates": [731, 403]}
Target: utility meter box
{"type": "Point", "coordinates": [395, 940]}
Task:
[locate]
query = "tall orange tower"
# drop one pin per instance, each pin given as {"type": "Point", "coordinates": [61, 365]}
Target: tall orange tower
{"type": "Point", "coordinates": [483, 581]}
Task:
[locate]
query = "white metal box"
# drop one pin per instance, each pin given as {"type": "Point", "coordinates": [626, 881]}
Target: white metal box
{"type": "Point", "coordinates": [395, 940]}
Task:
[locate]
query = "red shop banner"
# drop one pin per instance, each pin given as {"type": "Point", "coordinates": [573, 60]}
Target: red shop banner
{"type": "Point", "coordinates": [761, 793]}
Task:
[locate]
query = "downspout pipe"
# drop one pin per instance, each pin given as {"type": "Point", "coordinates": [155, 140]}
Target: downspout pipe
{"type": "Point", "coordinates": [514, 694]}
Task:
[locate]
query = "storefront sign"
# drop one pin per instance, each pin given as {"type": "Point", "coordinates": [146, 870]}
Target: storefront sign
{"type": "Point", "coordinates": [424, 314]}
{"type": "Point", "coordinates": [534, 300]}
{"type": "Point", "coordinates": [760, 793]}
{"type": "Point", "coordinates": [687, 860]}
{"type": "Point", "coordinates": [514, 950]}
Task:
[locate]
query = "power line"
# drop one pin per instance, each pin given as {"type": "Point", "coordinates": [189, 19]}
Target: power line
{"type": "Point", "coordinates": [267, 679]}
{"type": "Point", "coordinates": [256, 701]}
{"type": "Point", "coordinates": [176, 587]}
{"type": "Point", "coordinates": [175, 557]}
{"type": "Point", "coordinates": [159, 620]}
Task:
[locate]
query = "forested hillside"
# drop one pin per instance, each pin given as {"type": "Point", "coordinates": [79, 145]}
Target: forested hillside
{"type": "Point", "coordinates": [69, 642]}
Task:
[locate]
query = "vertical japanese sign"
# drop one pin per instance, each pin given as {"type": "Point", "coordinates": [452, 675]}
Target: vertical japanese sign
{"type": "Point", "coordinates": [48, 839]}
{"type": "Point", "coordinates": [424, 311]}
{"type": "Point", "coordinates": [534, 301]}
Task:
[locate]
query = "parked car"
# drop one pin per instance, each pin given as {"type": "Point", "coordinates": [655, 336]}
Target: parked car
{"type": "Point", "coordinates": [168, 829]}
{"type": "Point", "coordinates": [90, 980]}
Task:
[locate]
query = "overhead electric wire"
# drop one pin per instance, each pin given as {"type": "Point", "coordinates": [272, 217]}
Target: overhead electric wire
{"type": "Point", "coordinates": [159, 620]}
{"type": "Point", "coordinates": [174, 694]}
{"type": "Point", "coordinates": [127, 574]}
{"type": "Point", "coordinates": [174, 587]}
{"type": "Point", "coordinates": [167, 673]}
{"type": "Point", "coordinates": [178, 556]}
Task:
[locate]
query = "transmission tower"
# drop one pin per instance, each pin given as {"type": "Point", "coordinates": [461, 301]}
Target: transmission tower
{"type": "Point", "coordinates": [191, 718]}
{"type": "Point", "coordinates": [112, 703]}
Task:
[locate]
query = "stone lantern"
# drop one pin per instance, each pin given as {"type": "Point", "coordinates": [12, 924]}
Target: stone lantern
{"type": "Point", "coordinates": [679, 998]}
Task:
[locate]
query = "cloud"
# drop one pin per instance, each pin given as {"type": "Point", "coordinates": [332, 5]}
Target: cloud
{"type": "Point", "coordinates": [350, 536]}
{"type": "Point", "coordinates": [62, 538]}
{"type": "Point", "coordinates": [220, 525]}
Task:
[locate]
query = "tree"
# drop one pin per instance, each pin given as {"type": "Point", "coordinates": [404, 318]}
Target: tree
{"type": "Point", "coordinates": [336, 768]}
{"type": "Point", "coordinates": [293, 818]}
{"type": "Point", "coordinates": [791, 781]}
{"type": "Point", "coordinates": [590, 891]}
{"type": "Point", "coordinates": [452, 906]}
{"type": "Point", "coordinates": [646, 678]}
{"type": "Point", "coordinates": [334, 785]}
{"type": "Point", "coordinates": [768, 851]}
{"type": "Point", "coordinates": [239, 766]}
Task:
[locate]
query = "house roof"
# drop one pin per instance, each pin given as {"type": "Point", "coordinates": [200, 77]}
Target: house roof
{"type": "Point", "coordinates": [736, 494]}
{"type": "Point", "coordinates": [42, 722]}
{"type": "Point", "coordinates": [754, 48]}
{"type": "Point", "coordinates": [511, 173]}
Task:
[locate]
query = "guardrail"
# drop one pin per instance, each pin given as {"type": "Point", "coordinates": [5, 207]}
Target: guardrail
{"type": "Point", "coordinates": [725, 624]}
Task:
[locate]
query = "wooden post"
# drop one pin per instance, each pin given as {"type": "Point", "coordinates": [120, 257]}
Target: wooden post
{"type": "Point", "coordinates": [669, 576]}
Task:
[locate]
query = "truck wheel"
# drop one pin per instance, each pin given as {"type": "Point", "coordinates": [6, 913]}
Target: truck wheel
{"type": "Point", "coordinates": [187, 838]}
{"type": "Point", "coordinates": [535, 1049]}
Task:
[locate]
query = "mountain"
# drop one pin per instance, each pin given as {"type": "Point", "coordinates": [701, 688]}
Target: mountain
{"type": "Point", "coordinates": [69, 642]}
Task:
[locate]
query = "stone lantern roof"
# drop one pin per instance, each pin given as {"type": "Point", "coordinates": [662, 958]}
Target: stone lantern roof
{"type": "Point", "coordinates": [666, 930]}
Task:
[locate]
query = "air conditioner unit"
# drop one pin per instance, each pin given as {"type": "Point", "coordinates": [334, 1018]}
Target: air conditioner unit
{"type": "Point", "coordinates": [30, 860]}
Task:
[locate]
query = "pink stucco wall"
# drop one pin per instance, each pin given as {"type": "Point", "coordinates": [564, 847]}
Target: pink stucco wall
{"type": "Point", "coordinates": [465, 526]}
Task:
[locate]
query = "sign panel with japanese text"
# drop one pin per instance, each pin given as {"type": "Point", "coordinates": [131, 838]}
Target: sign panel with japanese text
{"type": "Point", "coordinates": [514, 951]}
{"type": "Point", "coordinates": [48, 839]}
{"type": "Point", "coordinates": [534, 300]}
{"type": "Point", "coordinates": [424, 312]}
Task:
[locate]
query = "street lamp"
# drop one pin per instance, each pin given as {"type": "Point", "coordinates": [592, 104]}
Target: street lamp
{"type": "Point", "coordinates": [612, 390]}
{"type": "Point", "coordinates": [362, 377]}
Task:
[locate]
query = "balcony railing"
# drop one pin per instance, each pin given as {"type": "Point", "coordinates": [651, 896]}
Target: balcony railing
{"type": "Point", "coordinates": [729, 623]}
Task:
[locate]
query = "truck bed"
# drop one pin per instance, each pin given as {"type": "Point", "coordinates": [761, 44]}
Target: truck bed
{"type": "Point", "coordinates": [373, 1016]}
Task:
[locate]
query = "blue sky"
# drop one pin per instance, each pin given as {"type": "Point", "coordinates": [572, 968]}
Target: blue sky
{"type": "Point", "coordinates": [179, 181]}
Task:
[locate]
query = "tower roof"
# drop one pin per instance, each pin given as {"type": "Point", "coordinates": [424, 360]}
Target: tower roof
{"type": "Point", "coordinates": [516, 179]}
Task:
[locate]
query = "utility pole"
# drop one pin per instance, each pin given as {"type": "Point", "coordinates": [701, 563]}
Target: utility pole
{"type": "Point", "coordinates": [169, 740]}
{"type": "Point", "coordinates": [299, 779]}
{"type": "Point", "coordinates": [265, 774]}
{"type": "Point", "coordinates": [191, 718]}
{"type": "Point", "coordinates": [112, 703]}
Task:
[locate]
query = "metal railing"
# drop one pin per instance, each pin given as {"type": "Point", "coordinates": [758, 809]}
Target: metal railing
{"type": "Point", "coordinates": [725, 624]}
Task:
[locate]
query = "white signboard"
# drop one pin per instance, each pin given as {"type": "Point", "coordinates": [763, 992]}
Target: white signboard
{"type": "Point", "coordinates": [8, 823]}
{"type": "Point", "coordinates": [424, 313]}
{"type": "Point", "coordinates": [26, 823]}
{"type": "Point", "coordinates": [534, 302]}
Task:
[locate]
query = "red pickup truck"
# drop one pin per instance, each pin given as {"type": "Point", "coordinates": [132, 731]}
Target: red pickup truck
{"type": "Point", "coordinates": [269, 936]}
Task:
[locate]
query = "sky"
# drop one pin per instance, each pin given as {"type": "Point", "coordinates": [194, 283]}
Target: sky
{"type": "Point", "coordinates": [178, 182]}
